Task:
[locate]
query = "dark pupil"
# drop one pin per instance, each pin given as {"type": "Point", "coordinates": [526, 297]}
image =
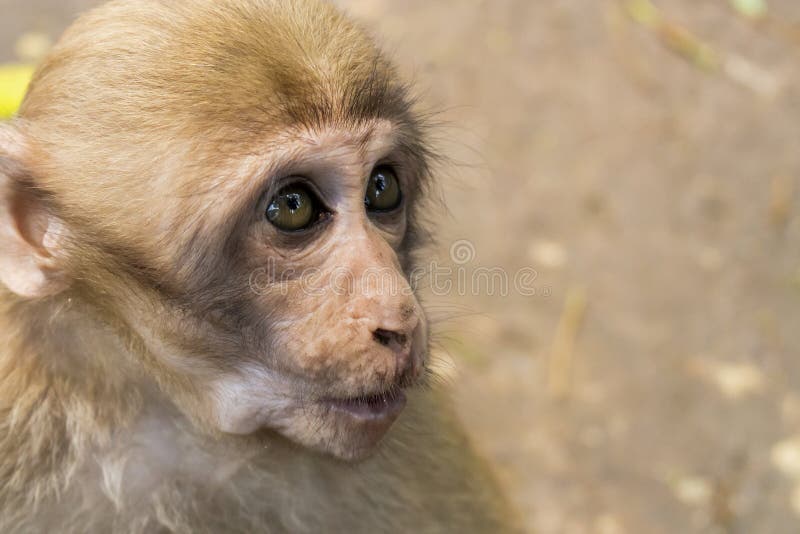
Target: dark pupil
{"type": "Point", "coordinates": [293, 201]}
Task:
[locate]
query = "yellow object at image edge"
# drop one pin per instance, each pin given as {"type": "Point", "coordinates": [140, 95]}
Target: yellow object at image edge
{"type": "Point", "coordinates": [14, 81]}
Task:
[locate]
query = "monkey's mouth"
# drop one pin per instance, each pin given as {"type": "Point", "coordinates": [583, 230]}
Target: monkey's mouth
{"type": "Point", "coordinates": [356, 422]}
{"type": "Point", "coordinates": [378, 408]}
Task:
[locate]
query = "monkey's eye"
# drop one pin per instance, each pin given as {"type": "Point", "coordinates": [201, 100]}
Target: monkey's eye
{"type": "Point", "coordinates": [293, 208]}
{"type": "Point", "coordinates": [383, 190]}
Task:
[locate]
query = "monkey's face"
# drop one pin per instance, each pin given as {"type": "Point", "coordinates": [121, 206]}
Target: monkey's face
{"type": "Point", "coordinates": [308, 325]}
{"type": "Point", "coordinates": [229, 184]}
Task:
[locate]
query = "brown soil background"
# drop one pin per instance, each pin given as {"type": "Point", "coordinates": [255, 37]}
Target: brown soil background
{"type": "Point", "coordinates": [658, 191]}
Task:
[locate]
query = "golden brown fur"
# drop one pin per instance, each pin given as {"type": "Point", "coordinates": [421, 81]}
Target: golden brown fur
{"type": "Point", "coordinates": [146, 383]}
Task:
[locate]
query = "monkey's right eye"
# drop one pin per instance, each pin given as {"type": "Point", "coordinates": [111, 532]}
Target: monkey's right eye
{"type": "Point", "coordinates": [294, 208]}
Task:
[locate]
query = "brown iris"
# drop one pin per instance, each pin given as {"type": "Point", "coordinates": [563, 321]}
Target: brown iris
{"type": "Point", "coordinates": [293, 208]}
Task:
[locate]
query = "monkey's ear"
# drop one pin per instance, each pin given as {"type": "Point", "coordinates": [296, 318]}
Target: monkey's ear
{"type": "Point", "coordinates": [29, 234]}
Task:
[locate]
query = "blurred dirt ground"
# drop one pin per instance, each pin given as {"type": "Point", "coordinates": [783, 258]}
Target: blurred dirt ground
{"type": "Point", "coordinates": [646, 165]}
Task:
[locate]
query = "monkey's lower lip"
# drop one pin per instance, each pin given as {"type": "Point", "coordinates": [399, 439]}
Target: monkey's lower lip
{"type": "Point", "coordinates": [380, 407]}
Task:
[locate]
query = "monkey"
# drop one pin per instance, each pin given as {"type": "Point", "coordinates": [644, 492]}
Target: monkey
{"type": "Point", "coordinates": [195, 197]}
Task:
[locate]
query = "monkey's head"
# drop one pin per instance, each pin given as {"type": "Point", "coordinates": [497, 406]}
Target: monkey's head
{"type": "Point", "coordinates": [230, 187]}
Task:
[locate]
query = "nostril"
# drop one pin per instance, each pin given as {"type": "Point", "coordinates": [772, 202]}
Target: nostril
{"type": "Point", "coordinates": [399, 345]}
{"type": "Point", "coordinates": [389, 338]}
{"type": "Point", "coordinates": [381, 336]}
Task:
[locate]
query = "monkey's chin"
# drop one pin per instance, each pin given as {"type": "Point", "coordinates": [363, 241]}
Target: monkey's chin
{"type": "Point", "coordinates": [358, 424]}
{"type": "Point", "coordinates": [348, 428]}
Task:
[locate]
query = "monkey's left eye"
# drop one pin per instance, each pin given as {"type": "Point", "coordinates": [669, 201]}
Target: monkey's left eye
{"type": "Point", "coordinates": [383, 190]}
{"type": "Point", "coordinates": [294, 208]}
